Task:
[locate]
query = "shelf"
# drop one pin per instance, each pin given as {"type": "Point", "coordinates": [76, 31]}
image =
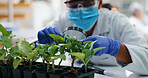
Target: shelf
{"type": "Point", "coordinates": [17, 5]}
{"type": "Point", "coordinates": [15, 16]}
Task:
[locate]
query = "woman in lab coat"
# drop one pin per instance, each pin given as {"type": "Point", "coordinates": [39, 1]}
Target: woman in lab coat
{"type": "Point", "coordinates": [124, 46]}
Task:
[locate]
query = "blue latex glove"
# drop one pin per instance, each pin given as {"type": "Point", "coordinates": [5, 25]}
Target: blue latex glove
{"type": "Point", "coordinates": [43, 35]}
{"type": "Point", "coordinates": [112, 46]}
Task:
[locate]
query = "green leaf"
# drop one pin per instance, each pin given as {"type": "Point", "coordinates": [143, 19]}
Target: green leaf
{"type": "Point", "coordinates": [69, 40]}
{"type": "Point", "coordinates": [22, 54]}
{"type": "Point", "coordinates": [6, 41]}
{"type": "Point", "coordinates": [4, 32]}
{"type": "Point", "coordinates": [87, 44]}
{"type": "Point", "coordinates": [3, 57]}
{"type": "Point", "coordinates": [45, 55]}
{"type": "Point", "coordinates": [97, 49]}
{"type": "Point", "coordinates": [58, 39]}
{"type": "Point", "coordinates": [92, 44]}
{"type": "Point", "coordinates": [16, 62]}
{"type": "Point", "coordinates": [76, 46]}
{"type": "Point", "coordinates": [87, 54]}
{"type": "Point", "coordinates": [66, 45]}
{"type": "Point", "coordinates": [14, 50]}
{"type": "Point", "coordinates": [53, 50]}
{"type": "Point", "coordinates": [2, 51]}
{"type": "Point", "coordinates": [78, 55]}
{"type": "Point", "coordinates": [64, 48]}
{"type": "Point", "coordinates": [32, 45]}
{"type": "Point", "coordinates": [41, 51]}
{"type": "Point", "coordinates": [25, 47]}
{"type": "Point", "coordinates": [32, 55]}
{"type": "Point", "coordinates": [63, 57]}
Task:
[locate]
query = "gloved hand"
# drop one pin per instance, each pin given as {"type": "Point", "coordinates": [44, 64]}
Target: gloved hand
{"type": "Point", "coordinates": [112, 46]}
{"type": "Point", "coordinates": [43, 35]}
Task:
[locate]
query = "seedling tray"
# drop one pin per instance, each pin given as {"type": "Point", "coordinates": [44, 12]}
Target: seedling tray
{"type": "Point", "coordinates": [61, 72]}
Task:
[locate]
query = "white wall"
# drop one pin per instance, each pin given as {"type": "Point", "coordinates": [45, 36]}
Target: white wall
{"type": "Point", "coordinates": [45, 12]}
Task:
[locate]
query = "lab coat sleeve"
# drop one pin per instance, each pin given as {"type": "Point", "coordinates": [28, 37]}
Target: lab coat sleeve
{"type": "Point", "coordinates": [135, 43]}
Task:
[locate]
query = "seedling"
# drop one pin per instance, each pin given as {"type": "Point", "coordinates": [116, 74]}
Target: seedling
{"type": "Point", "coordinates": [87, 54]}
{"type": "Point", "coordinates": [27, 53]}
{"type": "Point", "coordinates": [49, 53]}
{"type": "Point", "coordinates": [72, 45]}
{"type": "Point", "coordinates": [58, 41]}
{"type": "Point", "coordinates": [43, 48]}
{"type": "Point", "coordinates": [5, 40]}
{"type": "Point", "coordinates": [50, 56]}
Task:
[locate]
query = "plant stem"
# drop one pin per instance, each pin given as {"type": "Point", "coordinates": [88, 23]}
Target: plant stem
{"type": "Point", "coordinates": [53, 66]}
{"type": "Point", "coordinates": [59, 63]}
{"type": "Point", "coordinates": [43, 63]}
{"type": "Point", "coordinates": [72, 64]}
{"type": "Point", "coordinates": [30, 64]}
{"type": "Point", "coordinates": [48, 66]}
{"type": "Point", "coordinates": [85, 68]}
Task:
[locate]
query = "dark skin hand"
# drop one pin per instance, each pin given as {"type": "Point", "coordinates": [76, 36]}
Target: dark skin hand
{"type": "Point", "coordinates": [123, 54]}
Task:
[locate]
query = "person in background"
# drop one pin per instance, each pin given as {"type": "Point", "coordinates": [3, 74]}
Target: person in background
{"type": "Point", "coordinates": [136, 19]}
{"type": "Point", "coordinates": [114, 8]}
{"type": "Point", "coordinates": [110, 29]}
{"type": "Point", "coordinates": [107, 5]}
{"type": "Point", "coordinates": [110, 7]}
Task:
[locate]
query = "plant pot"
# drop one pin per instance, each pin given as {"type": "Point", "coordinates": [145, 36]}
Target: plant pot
{"type": "Point", "coordinates": [39, 63]}
{"type": "Point", "coordinates": [0, 72]}
{"type": "Point", "coordinates": [81, 74]}
{"type": "Point", "coordinates": [29, 73]}
{"type": "Point", "coordinates": [18, 73]}
{"type": "Point", "coordinates": [66, 68]}
{"type": "Point", "coordinates": [42, 74]}
{"type": "Point", "coordinates": [6, 71]}
{"type": "Point", "coordinates": [58, 74]}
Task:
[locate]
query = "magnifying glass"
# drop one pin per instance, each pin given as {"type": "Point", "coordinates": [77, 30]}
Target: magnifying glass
{"type": "Point", "coordinates": [73, 31]}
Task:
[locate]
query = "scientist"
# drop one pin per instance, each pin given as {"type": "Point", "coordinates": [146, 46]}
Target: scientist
{"type": "Point", "coordinates": [111, 30]}
{"type": "Point", "coordinates": [136, 19]}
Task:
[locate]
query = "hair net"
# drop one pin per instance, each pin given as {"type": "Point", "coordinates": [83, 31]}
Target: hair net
{"type": "Point", "coordinates": [134, 7]}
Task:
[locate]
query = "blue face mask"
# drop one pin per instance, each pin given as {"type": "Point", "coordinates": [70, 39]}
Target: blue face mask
{"type": "Point", "coordinates": [84, 18]}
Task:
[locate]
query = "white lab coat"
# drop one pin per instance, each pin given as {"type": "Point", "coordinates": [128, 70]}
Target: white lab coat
{"type": "Point", "coordinates": [115, 26]}
{"type": "Point", "coordinates": [139, 26]}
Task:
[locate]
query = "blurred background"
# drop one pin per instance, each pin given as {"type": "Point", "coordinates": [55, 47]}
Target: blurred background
{"type": "Point", "coordinates": [35, 14]}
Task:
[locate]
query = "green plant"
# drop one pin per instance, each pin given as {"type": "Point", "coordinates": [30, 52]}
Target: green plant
{"type": "Point", "coordinates": [26, 53]}
{"type": "Point", "coordinates": [50, 56]}
{"type": "Point", "coordinates": [52, 52]}
{"type": "Point", "coordinates": [14, 55]}
{"type": "Point", "coordinates": [86, 53]}
{"type": "Point", "coordinates": [58, 41]}
{"type": "Point", "coordinates": [43, 49]}
{"type": "Point", "coordinates": [72, 45]}
{"type": "Point", "coordinates": [48, 53]}
{"type": "Point", "coordinates": [5, 40]}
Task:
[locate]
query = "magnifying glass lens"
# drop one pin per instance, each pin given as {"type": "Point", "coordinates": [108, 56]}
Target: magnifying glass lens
{"type": "Point", "coordinates": [75, 32]}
